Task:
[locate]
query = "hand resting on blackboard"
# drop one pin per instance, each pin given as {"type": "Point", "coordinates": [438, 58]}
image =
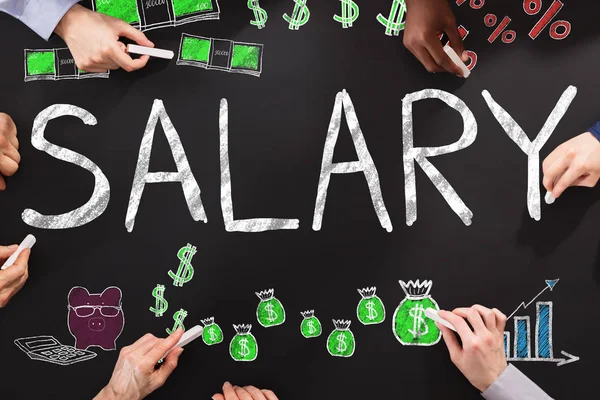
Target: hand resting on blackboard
{"type": "Point", "coordinates": [481, 358]}
{"type": "Point", "coordinates": [93, 39]}
{"type": "Point", "coordinates": [574, 163]}
{"type": "Point", "coordinates": [9, 149]}
{"type": "Point", "coordinates": [13, 278]}
{"type": "Point", "coordinates": [135, 375]}
{"type": "Point", "coordinates": [425, 20]}
{"type": "Point", "coordinates": [244, 393]}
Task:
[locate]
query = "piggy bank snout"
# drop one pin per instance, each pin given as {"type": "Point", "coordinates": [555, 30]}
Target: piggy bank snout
{"type": "Point", "coordinates": [97, 324]}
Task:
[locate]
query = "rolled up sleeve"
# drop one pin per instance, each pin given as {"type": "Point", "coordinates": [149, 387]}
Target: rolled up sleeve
{"type": "Point", "coordinates": [595, 130]}
{"type": "Point", "coordinates": [41, 16]}
{"type": "Point", "coordinates": [512, 384]}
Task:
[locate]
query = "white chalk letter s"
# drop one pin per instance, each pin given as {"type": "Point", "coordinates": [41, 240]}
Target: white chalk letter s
{"type": "Point", "coordinates": [420, 154]}
{"type": "Point", "coordinates": [101, 195]}
{"type": "Point", "coordinates": [532, 149]}
{"type": "Point", "coordinates": [184, 175]}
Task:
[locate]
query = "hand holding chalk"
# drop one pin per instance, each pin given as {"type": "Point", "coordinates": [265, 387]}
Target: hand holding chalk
{"type": "Point", "coordinates": [189, 336]}
{"type": "Point", "coordinates": [150, 51]}
{"type": "Point", "coordinates": [433, 314]}
{"type": "Point", "coordinates": [27, 243]}
{"type": "Point", "coordinates": [456, 60]}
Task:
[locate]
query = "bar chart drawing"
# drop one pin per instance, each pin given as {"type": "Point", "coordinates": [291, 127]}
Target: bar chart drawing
{"type": "Point", "coordinates": [542, 339]}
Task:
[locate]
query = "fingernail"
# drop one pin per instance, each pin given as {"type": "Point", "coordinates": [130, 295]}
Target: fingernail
{"type": "Point", "coordinates": [214, 397]}
{"type": "Point", "coordinates": [227, 383]}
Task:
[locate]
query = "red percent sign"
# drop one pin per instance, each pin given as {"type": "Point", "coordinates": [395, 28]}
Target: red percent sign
{"type": "Point", "coordinates": [558, 30]}
{"type": "Point", "coordinates": [475, 4]}
{"type": "Point", "coordinates": [507, 36]}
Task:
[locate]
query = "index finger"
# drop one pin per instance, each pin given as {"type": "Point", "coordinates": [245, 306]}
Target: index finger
{"type": "Point", "coordinates": [124, 61]}
{"type": "Point", "coordinates": [229, 392]}
{"type": "Point", "coordinates": [130, 32]}
{"type": "Point", "coordinates": [436, 50]}
{"type": "Point", "coordinates": [558, 167]}
{"type": "Point", "coordinates": [459, 324]}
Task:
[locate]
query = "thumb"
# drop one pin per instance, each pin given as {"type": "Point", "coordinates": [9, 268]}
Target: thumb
{"type": "Point", "coordinates": [7, 251]}
{"type": "Point", "coordinates": [456, 42]}
{"type": "Point", "coordinates": [130, 32]}
{"type": "Point", "coordinates": [23, 259]}
{"type": "Point", "coordinates": [451, 341]}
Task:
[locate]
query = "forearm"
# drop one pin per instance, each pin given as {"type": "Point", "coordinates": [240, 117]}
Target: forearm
{"type": "Point", "coordinates": [41, 16]}
{"type": "Point", "coordinates": [512, 384]}
{"type": "Point", "coordinates": [595, 130]}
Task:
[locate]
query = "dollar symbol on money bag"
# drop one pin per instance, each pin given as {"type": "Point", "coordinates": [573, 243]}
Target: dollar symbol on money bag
{"type": "Point", "coordinates": [349, 13]}
{"type": "Point", "coordinates": [394, 23]}
{"type": "Point", "coordinates": [340, 342]}
{"type": "Point", "coordinates": [185, 272]}
{"type": "Point", "coordinates": [161, 304]}
{"type": "Point", "coordinates": [243, 346]}
{"type": "Point", "coordinates": [178, 317]}
{"type": "Point", "coordinates": [270, 311]}
{"type": "Point", "coordinates": [300, 15]}
{"type": "Point", "coordinates": [212, 333]}
{"type": "Point", "coordinates": [370, 309]}
{"type": "Point", "coordinates": [260, 15]}
{"type": "Point", "coordinates": [310, 326]}
{"type": "Point", "coordinates": [411, 326]}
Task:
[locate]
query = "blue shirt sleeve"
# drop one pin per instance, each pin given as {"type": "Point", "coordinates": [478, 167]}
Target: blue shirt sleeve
{"type": "Point", "coordinates": [41, 16]}
{"type": "Point", "coordinates": [595, 130]}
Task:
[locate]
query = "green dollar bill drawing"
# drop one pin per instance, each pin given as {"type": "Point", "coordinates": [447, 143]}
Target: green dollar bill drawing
{"type": "Point", "coordinates": [212, 333]}
{"type": "Point", "coordinates": [54, 64]}
{"type": "Point", "coordinates": [126, 10]}
{"type": "Point", "coordinates": [370, 309]}
{"type": "Point", "coordinates": [243, 346]}
{"type": "Point", "coordinates": [340, 342]}
{"type": "Point", "coordinates": [410, 326]}
{"type": "Point", "coordinates": [310, 327]}
{"type": "Point", "coordinates": [270, 311]}
{"type": "Point", "coordinates": [161, 304]}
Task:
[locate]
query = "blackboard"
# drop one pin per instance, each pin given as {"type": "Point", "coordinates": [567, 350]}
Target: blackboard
{"type": "Point", "coordinates": [278, 124]}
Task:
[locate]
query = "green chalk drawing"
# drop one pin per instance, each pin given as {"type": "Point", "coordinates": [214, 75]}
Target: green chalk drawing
{"type": "Point", "coordinates": [310, 326]}
{"type": "Point", "coordinates": [245, 57]}
{"type": "Point", "coordinates": [40, 63]}
{"type": "Point", "coordinates": [121, 9]}
{"type": "Point", "coordinates": [349, 15]}
{"type": "Point", "coordinates": [161, 304]}
{"type": "Point", "coordinates": [185, 271]}
{"type": "Point", "coordinates": [340, 342]}
{"type": "Point", "coordinates": [270, 311]}
{"type": "Point", "coordinates": [394, 22]}
{"type": "Point", "coordinates": [410, 326]}
{"type": "Point", "coordinates": [185, 7]}
{"type": "Point", "coordinates": [178, 317]}
{"type": "Point", "coordinates": [195, 49]}
{"type": "Point", "coordinates": [243, 346]}
{"type": "Point", "coordinates": [260, 15]}
{"type": "Point", "coordinates": [370, 309]}
{"type": "Point", "coordinates": [300, 15]}
{"type": "Point", "coordinates": [212, 333]}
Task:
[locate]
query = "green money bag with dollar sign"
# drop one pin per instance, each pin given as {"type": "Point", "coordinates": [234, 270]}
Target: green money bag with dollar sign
{"type": "Point", "coordinates": [243, 346]}
{"type": "Point", "coordinates": [310, 326]}
{"type": "Point", "coordinates": [270, 311]}
{"type": "Point", "coordinates": [370, 309]}
{"type": "Point", "coordinates": [340, 342]}
{"type": "Point", "coordinates": [410, 325]}
{"type": "Point", "coordinates": [212, 333]}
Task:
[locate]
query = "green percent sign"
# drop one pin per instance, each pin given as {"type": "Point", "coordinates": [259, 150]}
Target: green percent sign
{"type": "Point", "coordinates": [349, 13]}
{"type": "Point", "coordinates": [185, 272]}
{"type": "Point", "coordinates": [394, 24]}
{"type": "Point", "coordinates": [260, 15]}
{"type": "Point", "coordinates": [161, 304]}
{"type": "Point", "coordinates": [300, 15]}
{"type": "Point", "coordinates": [178, 317]}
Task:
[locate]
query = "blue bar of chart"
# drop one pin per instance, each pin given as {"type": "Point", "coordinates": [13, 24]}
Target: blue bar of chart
{"type": "Point", "coordinates": [543, 330]}
{"type": "Point", "coordinates": [522, 337]}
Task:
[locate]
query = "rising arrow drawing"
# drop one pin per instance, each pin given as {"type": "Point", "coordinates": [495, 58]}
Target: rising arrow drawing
{"type": "Point", "coordinates": [550, 283]}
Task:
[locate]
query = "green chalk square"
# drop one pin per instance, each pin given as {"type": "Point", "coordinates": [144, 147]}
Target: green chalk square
{"type": "Point", "coordinates": [125, 10]}
{"type": "Point", "coordinates": [185, 7]}
{"type": "Point", "coordinates": [245, 56]}
{"type": "Point", "coordinates": [40, 63]}
{"type": "Point", "coordinates": [195, 49]}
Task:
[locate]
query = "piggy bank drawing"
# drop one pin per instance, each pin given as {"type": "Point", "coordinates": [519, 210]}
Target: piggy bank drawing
{"type": "Point", "coordinates": [95, 319]}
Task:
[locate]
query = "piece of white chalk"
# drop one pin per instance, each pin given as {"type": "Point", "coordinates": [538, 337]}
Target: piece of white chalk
{"type": "Point", "coordinates": [456, 59]}
{"type": "Point", "coordinates": [433, 314]}
{"type": "Point", "coordinates": [150, 51]}
{"type": "Point", "coordinates": [27, 243]}
{"type": "Point", "coordinates": [549, 198]}
{"type": "Point", "coordinates": [188, 336]}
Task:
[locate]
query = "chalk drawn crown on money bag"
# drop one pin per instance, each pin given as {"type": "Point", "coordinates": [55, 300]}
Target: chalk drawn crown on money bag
{"type": "Point", "coordinates": [410, 325]}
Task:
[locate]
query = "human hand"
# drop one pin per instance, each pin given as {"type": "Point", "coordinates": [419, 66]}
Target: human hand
{"type": "Point", "coordinates": [481, 358]}
{"type": "Point", "coordinates": [425, 20]}
{"type": "Point", "coordinates": [244, 393]}
{"type": "Point", "coordinates": [135, 375]}
{"type": "Point", "coordinates": [14, 277]}
{"type": "Point", "coordinates": [93, 39]}
{"type": "Point", "coordinates": [576, 162]}
{"type": "Point", "coordinates": [9, 146]}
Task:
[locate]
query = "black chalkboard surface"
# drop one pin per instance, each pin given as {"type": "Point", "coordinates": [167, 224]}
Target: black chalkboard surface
{"type": "Point", "coordinates": [277, 127]}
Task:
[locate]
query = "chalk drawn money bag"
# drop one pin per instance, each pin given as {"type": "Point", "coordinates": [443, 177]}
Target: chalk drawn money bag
{"type": "Point", "coordinates": [270, 311]}
{"type": "Point", "coordinates": [212, 333]}
{"type": "Point", "coordinates": [410, 325]}
{"type": "Point", "coordinates": [340, 342]}
{"type": "Point", "coordinates": [243, 346]}
{"type": "Point", "coordinates": [95, 319]}
{"type": "Point", "coordinates": [310, 326]}
{"type": "Point", "coordinates": [370, 309]}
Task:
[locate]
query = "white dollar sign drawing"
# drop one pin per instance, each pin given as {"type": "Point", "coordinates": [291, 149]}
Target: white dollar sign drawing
{"type": "Point", "coordinates": [342, 346]}
{"type": "Point", "coordinates": [372, 312]}
{"type": "Point", "coordinates": [244, 351]}
{"type": "Point", "coordinates": [272, 314]}
{"type": "Point", "coordinates": [211, 333]}
{"type": "Point", "coordinates": [311, 327]}
{"type": "Point", "coordinates": [418, 322]}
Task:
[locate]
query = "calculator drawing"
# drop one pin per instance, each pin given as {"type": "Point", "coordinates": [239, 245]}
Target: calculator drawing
{"type": "Point", "coordinates": [47, 348]}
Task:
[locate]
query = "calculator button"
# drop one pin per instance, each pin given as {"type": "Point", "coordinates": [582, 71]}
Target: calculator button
{"type": "Point", "coordinates": [47, 352]}
{"type": "Point", "coordinates": [63, 358]}
{"type": "Point", "coordinates": [54, 356]}
{"type": "Point", "coordinates": [56, 350]}
{"type": "Point", "coordinates": [79, 353]}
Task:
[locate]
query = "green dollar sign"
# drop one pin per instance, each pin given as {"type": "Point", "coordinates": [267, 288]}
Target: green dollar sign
{"type": "Point", "coordinates": [161, 304]}
{"type": "Point", "coordinates": [178, 317]}
{"type": "Point", "coordinates": [185, 272]}
{"type": "Point", "coordinates": [394, 24]}
{"type": "Point", "coordinates": [349, 13]}
{"type": "Point", "coordinates": [300, 15]}
{"type": "Point", "coordinates": [260, 15]}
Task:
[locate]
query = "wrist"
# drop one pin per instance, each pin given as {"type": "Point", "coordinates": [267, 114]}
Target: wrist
{"type": "Point", "coordinates": [62, 28]}
{"type": "Point", "coordinates": [107, 393]}
{"type": "Point", "coordinates": [493, 377]}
